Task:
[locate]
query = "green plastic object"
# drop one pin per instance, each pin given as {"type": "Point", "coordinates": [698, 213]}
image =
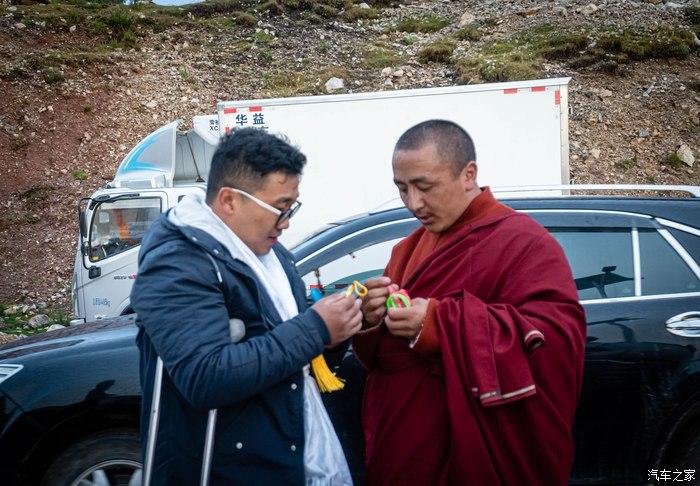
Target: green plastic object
{"type": "Point", "coordinates": [398, 299]}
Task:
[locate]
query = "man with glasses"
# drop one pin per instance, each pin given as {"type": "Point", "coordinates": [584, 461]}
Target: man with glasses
{"type": "Point", "coordinates": [220, 302]}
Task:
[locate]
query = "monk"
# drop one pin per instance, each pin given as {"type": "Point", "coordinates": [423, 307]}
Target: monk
{"type": "Point", "coordinates": [476, 383]}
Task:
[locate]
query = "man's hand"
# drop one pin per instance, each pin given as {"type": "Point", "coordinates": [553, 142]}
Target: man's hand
{"type": "Point", "coordinates": [407, 322]}
{"type": "Point", "coordinates": [341, 315]}
{"type": "Point", "coordinates": [374, 303]}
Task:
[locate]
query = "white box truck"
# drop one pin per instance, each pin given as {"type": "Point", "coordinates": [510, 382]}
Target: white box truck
{"type": "Point", "coordinates": [520, 130]}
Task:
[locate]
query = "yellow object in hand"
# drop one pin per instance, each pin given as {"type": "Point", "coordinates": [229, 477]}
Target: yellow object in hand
{"type": "Point", "coordinates": [356, 287]}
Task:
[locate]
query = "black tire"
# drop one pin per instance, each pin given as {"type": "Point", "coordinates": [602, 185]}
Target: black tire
{"type": "Point", "coordinates": [114, 454]}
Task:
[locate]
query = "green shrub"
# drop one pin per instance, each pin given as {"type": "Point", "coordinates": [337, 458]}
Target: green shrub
{"type": "Point", "coordinates": [353, 14]}
{"type": "Point", "coordinates": [438, 51]}
{"type": "Point", "coordinates": [79, 175]}
{"type": "Point", "coordinates": [427, 24]}
{"type": "Point", "coordinates": [380, 58]}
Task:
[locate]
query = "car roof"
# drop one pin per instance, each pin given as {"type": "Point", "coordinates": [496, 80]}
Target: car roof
{"type": "Point", "coordinates": [682, 210]}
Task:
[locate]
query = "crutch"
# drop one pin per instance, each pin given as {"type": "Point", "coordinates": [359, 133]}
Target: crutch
{"type": "Point", "coordinates": [153, 433]}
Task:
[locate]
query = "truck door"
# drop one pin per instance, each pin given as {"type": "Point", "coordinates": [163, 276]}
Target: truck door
{"type": "Point", "coordinates": [116, 227]}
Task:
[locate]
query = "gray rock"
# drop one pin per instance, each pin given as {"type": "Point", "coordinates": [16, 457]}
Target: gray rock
{"type": "Point", "coordinates": [364, 5]}
{"type": "Point", "coordinates": [466, 19]}
{"type": "Point", "coordinates": [10, 311]}
{"type": "Point", "coordinates": [38, 321]}
{"type": "Point", "coordinates": [20, 25]}
{"type": "Point", "coordinates": [386, 72]}
{"type": "Point", "coordinates": [398, 73]}
{"type": "Point", "coordinates": [686, 155]}
{"type": "Point", "coordinates": [334, 84]}
{"type": "Point", "coordinates": [605, 93]}
{"type": "Point", "coordinates": [41, 305]}
{"type": "Point", "coordinates": [595, 153]}
{"type": "Point", "coordinates": [53, 327]}
{"type": "Point", "coordinates": [589, 9]}
{"type": "Point", "coordinates": [559, 10]}
{"type": "Point", "coordinates": [673, 5]}
{"type": "Point", "coordinates": [643, 133]}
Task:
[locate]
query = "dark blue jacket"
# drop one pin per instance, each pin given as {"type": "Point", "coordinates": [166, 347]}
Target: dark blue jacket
{"type": "Point", "coordinates": [257, 383]}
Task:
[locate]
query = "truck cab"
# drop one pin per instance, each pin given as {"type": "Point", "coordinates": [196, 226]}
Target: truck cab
{"type": "Point", "coordinates": [161, 169]}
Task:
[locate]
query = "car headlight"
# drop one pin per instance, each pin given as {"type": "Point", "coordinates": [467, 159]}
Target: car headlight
{"type": "Point", "coordinates": [7, 370]}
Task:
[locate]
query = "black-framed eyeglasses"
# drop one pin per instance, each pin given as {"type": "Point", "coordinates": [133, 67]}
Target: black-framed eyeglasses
{"type": "Point", "coordinates": [282, 216]}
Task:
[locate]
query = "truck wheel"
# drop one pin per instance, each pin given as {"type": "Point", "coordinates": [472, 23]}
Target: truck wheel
{"type": "Point", "coordinates": [109, 458]}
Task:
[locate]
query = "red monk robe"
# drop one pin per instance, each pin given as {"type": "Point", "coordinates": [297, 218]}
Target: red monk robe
{"type": "Point", "coordinates": [487, 395]}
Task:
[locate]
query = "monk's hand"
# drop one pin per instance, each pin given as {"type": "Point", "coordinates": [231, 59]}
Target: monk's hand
{"type": "Point", "coordinates": [374, 303]}
{"type": "Point", "coordinates": [406, 322]}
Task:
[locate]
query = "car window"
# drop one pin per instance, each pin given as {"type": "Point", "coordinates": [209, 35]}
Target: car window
{"type": "Point", "coordinates": [663, 270]}
{"type": "Point", "coordinates": [690, 242]}
{"type": "Point", "coordinates": [601, 260]}
{"type": "Point", "coordinates": [359, 265]}
{"type": "Point", "coordinates": [120, 225]}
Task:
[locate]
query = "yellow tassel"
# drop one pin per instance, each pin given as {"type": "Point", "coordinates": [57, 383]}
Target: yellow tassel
{"type": "Point", "coordinates": [325, 378]}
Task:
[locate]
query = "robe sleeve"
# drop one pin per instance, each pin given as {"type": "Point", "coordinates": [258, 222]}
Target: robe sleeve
{"type": "Point", "coordinates": [487, 346]}
{"type": "Point", "coordinates": [428, 344]}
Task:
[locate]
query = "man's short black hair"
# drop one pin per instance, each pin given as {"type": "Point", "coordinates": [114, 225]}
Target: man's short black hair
{"type": "Point", "coordinates": [453, 143]}
{"type": "Point", "coordinates": [245, 156]}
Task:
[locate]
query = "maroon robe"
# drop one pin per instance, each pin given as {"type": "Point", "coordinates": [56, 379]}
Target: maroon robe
{"type": "Point", "coordinates": [488, 394]}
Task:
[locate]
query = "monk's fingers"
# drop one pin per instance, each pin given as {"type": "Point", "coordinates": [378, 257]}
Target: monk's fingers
{"type": "Point", "coordinates": [400, 328]}
{"type": "Point", "coordinates": [377, 283]}
{"type": "Point", "coordinates": [379, 293]}
{"type": "Point", "coordinates": [374, 304]}
{"type": "Point", "coordinates": [401, 313]}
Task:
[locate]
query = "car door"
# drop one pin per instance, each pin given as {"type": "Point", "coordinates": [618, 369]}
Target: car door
{"type": "Point", "coordinates": [110, 261]}
{"type": "Point", "coordinates": [632, 277]}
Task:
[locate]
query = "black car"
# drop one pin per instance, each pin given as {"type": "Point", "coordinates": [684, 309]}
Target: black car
{"type": "Point", "coordinates": [69, 399]}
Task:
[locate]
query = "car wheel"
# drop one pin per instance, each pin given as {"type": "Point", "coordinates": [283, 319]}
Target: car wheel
{"type": "Point", "coordinates": [106, 459]}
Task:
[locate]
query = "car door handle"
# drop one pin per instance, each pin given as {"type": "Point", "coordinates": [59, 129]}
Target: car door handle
{"type": "Point", "coordinates": [686, 324]}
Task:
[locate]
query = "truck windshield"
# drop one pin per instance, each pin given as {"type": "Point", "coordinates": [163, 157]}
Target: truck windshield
{"type": "Point", "coordinates": [120, 225]}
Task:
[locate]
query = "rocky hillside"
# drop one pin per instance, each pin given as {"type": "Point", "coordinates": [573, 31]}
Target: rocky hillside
{"type": "Point", "coordinates": [82, 81]}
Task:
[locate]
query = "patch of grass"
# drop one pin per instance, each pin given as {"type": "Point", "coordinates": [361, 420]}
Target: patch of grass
{"type": "Point", "coordinates": [120, 20]}
{"type": "Point", "coordinates": [87, 109]}
{"type": "Point", "coordinates": [271, 7]}
{"type": "Point", "coordinates": [244, 19]}
{"type": "Point", "coordinates": [127, 39]}
{"type": "Point", "coordinates": [470, 32]}
{"type": "Point", "coordinates": [284, 84]}
{"type": "Point", "coordinates": [662, 43]}
{"type": "Point", "coordinates": [626, 164]}
{"type": "Point", "coordinates": [355, 13]}
{"type": "Point", "coordinates": [186, 76]}
{"type": "Point", "coordinates": [325, 11]}
{"type": "Point", "coordinates": [692, 13]}
{"type": "Point", "coordinates": [53, 76]}
{"type": "Point", "coordinates": [19, 143]}
{"type": "Point", "coordinates": [263, 37]}
{"type": "Point", "coordinates": [380, 58]}
{"type": "Point", "coordinates": [673, 161]}
{"type": "Point", "coordinates": [79, 175]}
{"type": "Point", "coordinates": [36, 194]}
{"type": "Point", "coordinates": [474, 70]}
{"type": "Point", "coordinates": [489, 22]}
{"type": "Point", "coordinates": [438, 51]}
{"type": "Point", "coordinates": [508, 71]}
{"type": "Point", "coordinates": [31, 218]}
{"type": "Point", "coordinates": [213, 8]}
{"type": "Point", "coordinates": [427, 24]}
{"type": "Point", "coordinates": [409, 40]}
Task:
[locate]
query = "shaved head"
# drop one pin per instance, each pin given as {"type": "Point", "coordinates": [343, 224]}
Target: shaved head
{"type": "Point", "coordinates": [454, 145]}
